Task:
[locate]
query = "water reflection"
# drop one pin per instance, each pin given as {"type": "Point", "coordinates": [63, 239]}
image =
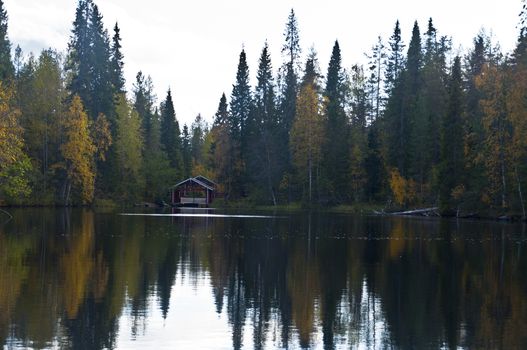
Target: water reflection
{"type": "Point", "coordinates": [76, 279]}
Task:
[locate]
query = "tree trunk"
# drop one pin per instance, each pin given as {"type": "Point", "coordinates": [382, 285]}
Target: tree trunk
{"type": "Point", "coordinates": [520, 191]}
{"type": "Point", "coordinates": [310, 180]}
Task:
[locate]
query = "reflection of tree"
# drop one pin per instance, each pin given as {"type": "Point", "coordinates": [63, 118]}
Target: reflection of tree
{"type": "Point", "coordinates": [388, 283]}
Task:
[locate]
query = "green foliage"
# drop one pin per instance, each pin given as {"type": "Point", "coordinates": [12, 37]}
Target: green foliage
{"type": "Point", "coordinates": [128, 145]}
{"type": "Point", "coordinates": [6, 65]}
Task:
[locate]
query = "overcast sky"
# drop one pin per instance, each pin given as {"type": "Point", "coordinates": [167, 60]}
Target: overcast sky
{"type": "Point", "coordinates": [193, 46]}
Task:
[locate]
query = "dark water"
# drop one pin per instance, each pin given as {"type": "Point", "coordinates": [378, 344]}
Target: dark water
{"type": "Point", "coordinates": [84, 280]}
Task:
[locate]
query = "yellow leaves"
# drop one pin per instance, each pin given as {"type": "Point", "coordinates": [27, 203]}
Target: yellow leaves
{"type": "Point", "coordinates": [307, 133]}
{"type": "Point", "coordinates": [458, 192]}
{"type": "Point", "coordinates": [11, 142]}
{"type": "Point", "coordinates": [78, 150]}
{"type": "Point", "coordinates": [404, 191]}
{"type": "Point", "coordinates": [102, 136]}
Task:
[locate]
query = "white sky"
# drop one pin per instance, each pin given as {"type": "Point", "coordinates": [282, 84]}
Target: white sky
{"type": "Point", "coordinates": [192, 46]}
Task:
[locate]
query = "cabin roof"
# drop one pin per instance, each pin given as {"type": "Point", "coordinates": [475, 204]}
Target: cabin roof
{"type": "Point", "coordinates": [197, 181]}
{"type": "Point", "coordinates": [205, 180]}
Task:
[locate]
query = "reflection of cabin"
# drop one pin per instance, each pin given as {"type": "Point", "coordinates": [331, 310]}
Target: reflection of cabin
{"type": "Point", "coordinates": [195, 191]}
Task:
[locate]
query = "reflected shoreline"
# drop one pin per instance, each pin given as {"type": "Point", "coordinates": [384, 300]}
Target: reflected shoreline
{"type": "Point", "coordinates": [78, 279]}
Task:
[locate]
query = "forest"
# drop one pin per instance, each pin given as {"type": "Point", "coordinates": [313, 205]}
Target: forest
{"type": "Point", "coordinates": [420, 124]}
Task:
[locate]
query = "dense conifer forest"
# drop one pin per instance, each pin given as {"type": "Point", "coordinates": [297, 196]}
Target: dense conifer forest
{"type": "Point", "coordinates": [420, 124]}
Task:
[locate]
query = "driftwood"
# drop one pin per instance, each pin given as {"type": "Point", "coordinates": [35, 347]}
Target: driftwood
{"type": "Point", "coordinates": [421, 212]}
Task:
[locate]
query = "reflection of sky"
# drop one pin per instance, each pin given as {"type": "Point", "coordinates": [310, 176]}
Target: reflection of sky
{"type": "Point", "coordinates": [192, 323]}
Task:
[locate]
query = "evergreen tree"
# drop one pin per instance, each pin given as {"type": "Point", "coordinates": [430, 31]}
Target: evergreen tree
{"type": "Point", "coordinates": [6, 65]}
{"type": "Point", "coordinates": [128, 145]}
{"type": "Point", "coordinates": [263, 126]}
{"type": "Point", "coordinates": [312, 71]}
{"type": "Point", "coordinates": [117, 64]}
{"type": "Point", "coordinates": [186, 150]}
{"type": "Point", "coordinates": [241, 102]}
{"type": "Point", "coordinates": [308, 132]}
{"type": "Point", "coordinates": [240, 110]}
{"type": "Point", "coordinates": [222, 115]}
{"type": "Point", "coordinates": [144, 100]}
{"type": "Point", "coordinates": [413, 150]}
{"type": "Point", "coordinates": [170, 134]}
{"type": "Point", "coordinates": [80, 52]}
{"type": "Point", "coordinates": [88, 62]}
{"type": "Point", "coordinates": [375, 81]}
{"type": "Point", "coordinates": [395, 59]}
{"type": "Point", "coordinates": [360, 109]}
{"type": "Point", "coordinates": [452, 152]}
{"type": "Point", "coordinates": [473, 123]}
{"type": "Point", "coordinates": [291, 51]}
{"type": "Point", "coordinates": [197, 139]}
{"type": "Point", "coordinates": [102, 91]}
{"type": "Point", "coordinates": [434, 98]}
{"type": "Point", "coordinates": [336, 163]}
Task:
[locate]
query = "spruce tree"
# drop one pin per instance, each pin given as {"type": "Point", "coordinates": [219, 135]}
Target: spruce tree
{"type": "Point", "coordinates": [117, 64]}
{"type": "Point", "coordinates": [240, 111]}
{"type": "Point", "coordinates": [102, 99]}
{"type": "Point", "coordinates": [79, 53]}
{"type": "Point", "coordinates": [336, 148]}
{"type": "Point", "coordinates": [170, 134]}
{"type": "Point", "coordinates": [6, 65]}
{"type": "Point", "coordinates": [434, 76]}
{"type": "Point", "coordinates": [452, 152]}
{"type": "Point", "coordinates": [186, 151]}
{"type": "Point", "coordinates": [395, 58]}
{"type": "Point", "coordinates": [222, 115]}
{"type": "Point", "coordinates": [144, 100]}
{"type": "Point", "coordinates": [241, 102]}
{"type": "Point", "coordinates": [375, 80]}
{"type": "Point", "coordinates": [291, 51]}
{"type": "Point", "coordinates": [264, 155]}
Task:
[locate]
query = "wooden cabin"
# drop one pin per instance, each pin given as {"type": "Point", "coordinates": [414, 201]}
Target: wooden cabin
{"type": "Point", "coordinates": [194, 192]}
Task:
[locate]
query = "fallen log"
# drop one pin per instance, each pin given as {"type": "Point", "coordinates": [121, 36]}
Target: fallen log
{"type": "Point", "coordinates": [423, 212]}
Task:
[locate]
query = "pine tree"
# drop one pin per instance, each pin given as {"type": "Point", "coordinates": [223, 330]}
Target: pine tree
{"type": "Point", "coordinates": [413, 148]}
{"type": "Point", "coordinates": [241, 102]}
{"type": "Point", "coordinates": [197, 139]}
{"type": "Point", "coordinates": [291, 51]}
{"type": "Point", "coordinates": [474, 134]}
{"type": "Point", "coordinates": [117, 64]}
{"type": "Point", "coordinates": [434, 98]}
{"type": "Point", "coordinates": [80, 52]}
{"type": "Point", "coordinates": [336, 148]}
{"type": "Point", "coordinates": [263, 126]}
{"type": "Point", "coordinates": [186, 151]}
{"type": "Point", "coordinates": [375, 81]}
{"type": "Point", "coordinates": [144, 100]}
{"type": "Point", "coordinates": [102, 91]}
{"type": "Point", "coordinates": [222, 115]}
{"type": "Point", "coordinates": [395, 59]}
{"type": "Point", "coordinates": [6, 65]}
{"type": "Point", "coordinates": [452, 152]}
{"type": "Point", "coordinates": [170, 134]}
{"type": "Point", "coordinates": [360, 109]}
{"type": "Point", "coordinates": [240, 110]}
{"type": "Point", "coordinates": [88, 63]}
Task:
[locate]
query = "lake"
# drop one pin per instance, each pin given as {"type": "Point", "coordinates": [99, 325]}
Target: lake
{"type": "Point", "coordinates": [94, 280]}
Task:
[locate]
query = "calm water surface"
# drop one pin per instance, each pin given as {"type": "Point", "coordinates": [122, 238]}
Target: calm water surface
{"type": "Point", "coordinates": [84, 280]}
